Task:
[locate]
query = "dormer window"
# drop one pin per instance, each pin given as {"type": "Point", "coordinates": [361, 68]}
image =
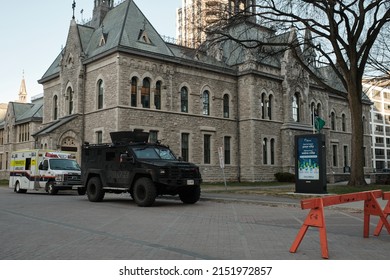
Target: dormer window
{"type": "Point", "coordinates": [103, 39]}
{"type": "Point", "coordinates": [143, 37]}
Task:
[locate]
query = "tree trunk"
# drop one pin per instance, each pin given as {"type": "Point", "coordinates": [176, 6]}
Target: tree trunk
{"type": "Point", "coordinates": [357, 141]}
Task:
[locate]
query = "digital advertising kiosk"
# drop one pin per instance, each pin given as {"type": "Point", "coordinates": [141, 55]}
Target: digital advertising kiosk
{"type": "Point", "coordinates": [310, 163]}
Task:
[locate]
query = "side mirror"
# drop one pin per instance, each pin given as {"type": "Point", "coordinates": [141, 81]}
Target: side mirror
{"type": "Point", "coordinates": [40, 167]}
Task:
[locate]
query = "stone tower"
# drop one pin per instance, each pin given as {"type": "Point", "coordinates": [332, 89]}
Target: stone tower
{"type": "Point", "coordinates": [100, 10]}
{"type": "Point", "coordinates": [22, 92]}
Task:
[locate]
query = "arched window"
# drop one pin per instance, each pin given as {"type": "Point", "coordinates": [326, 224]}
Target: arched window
{"type": "Point", "coordinates": [343, 123]}
{"type": "Point", "coordinates": [319, 113]}
{"type": "Point", "coordinates": [227, 149]}
{"type": "Point", "coordinates": [70, 100]}
{"type": "Point", "coordinates": [269, 107]}
{"type": "Point", "coordinates": [313, 112]}
{"type": "Point", "coordinates": [207, 149]}
{"type": "Point", "coordinates": [184, 100]}
{"type": "Point", "coordinates": [272, 151]}
{"type": "Point", "coordinates": [332, 121]}
{"type": "Point", "coordinates": [226, 108]}
{"type": "Point", "coordinates": [206, 103]}
{"type": "Point", "coordinates": [55, 107]}
{"type": "Point", "coordinates": [185, 146]}
{"type": "Point", "coordinates": [134, 87]}
{"type": "Point", "coordinates": [145, 93]}
{"type": "Point", "coordinates": [364, 124]}
{"type": "Point", "coordinates": [296, 107]}
{"type": "Point", "coordinates": [70, 60]}
{"type": "Point", "coordinates": [265, 154]}
{"type": "Point", "coordinates": [262, 105]}
{"type": "Point", "coordinates": [157, 96]}
{"type": "Point", "coordinates": [100, 95]}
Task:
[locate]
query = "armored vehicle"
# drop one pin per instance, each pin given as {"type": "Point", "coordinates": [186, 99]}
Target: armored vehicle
{"type": "Point", "coordinates": [132, 165]}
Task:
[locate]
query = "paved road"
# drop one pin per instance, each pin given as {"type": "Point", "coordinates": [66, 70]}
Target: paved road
{"type": "Point", "coordinates": [37, 226]}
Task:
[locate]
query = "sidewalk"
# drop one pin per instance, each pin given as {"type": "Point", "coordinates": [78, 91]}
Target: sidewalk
{"type": "Point", "coordinates": [273, 197]}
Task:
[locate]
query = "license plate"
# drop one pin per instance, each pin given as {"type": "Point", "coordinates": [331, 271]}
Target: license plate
{"type": "Point", "coordinates": [190, 182]}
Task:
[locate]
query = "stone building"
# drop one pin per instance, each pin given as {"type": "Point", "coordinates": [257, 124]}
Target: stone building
{"type": "Point", "coordinates": [116, 73]}
{"type": "Point", "coordinates": [18, 120]}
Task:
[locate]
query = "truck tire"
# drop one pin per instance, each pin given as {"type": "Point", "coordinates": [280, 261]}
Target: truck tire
{"type": "Point", "coordinates": [190, 195]}
{"type": "Point", "coordinates": [144, 192]}
{"type": "Point", "coordinates": [18, 189]}
{"type": "Point", "coordinates": [95, 190]}
{"type": "Point", "coordinates": [51, 190]}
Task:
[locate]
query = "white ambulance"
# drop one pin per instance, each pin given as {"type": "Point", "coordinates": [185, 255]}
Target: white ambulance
{"type": "Point", "coordinates": [44, 170]}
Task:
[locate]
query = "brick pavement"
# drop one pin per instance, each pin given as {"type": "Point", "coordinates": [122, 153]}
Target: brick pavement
{"type": "Point", "coordinates": [67, 226]}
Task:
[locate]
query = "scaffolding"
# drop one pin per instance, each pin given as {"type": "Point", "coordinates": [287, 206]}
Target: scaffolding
{"type": "Point", "coordinates": [196, 15]}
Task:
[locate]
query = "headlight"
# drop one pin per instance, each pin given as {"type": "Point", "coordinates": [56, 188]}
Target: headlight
{"type": "Point", "coordinates": [59, 177]}
{"type": "Point", "coordinates": [163, 172]}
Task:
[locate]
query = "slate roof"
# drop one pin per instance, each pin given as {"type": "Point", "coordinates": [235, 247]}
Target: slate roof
{"type": "Point", "coordinates": [55, 125]}
{"type": "Point", "coordinates": [26, 112]}
{"type": "Point", "coordinates": [122, 28]}
{"type": "Point", "coordinates": [122, 25]}
{"type": "Point", "coordinates": [54, 68]}
{"type": "Point", "coordinates": [34, 113]}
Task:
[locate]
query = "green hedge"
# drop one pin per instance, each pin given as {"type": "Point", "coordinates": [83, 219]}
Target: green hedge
{"type": "Point", "coordinates": [285, 177]}
{"type": "Point", "coordinates": [4, 182]}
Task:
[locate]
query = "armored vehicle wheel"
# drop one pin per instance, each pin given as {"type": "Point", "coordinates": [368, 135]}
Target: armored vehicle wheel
{"type": "Point", "coordinates": [144, 192]}
{"type": "Point", "coordinates": [95, 190]}
{"type": "Point", "coordinates": [51, 190]}
{"type": "Point", "coordinates": [18, 189]}
{"type": "Point", "coordinates": [190, 195]}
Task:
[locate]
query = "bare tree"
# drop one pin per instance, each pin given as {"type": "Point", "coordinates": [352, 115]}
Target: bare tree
{"type": "Point", "coordinates": [345, 36]}
{"type": "Point", "coordinates": [378, 65]}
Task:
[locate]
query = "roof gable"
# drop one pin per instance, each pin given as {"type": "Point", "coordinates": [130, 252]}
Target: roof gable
{"type": "Point", "coordinates": [27, 112]}
{"type": "Point", "coordinates": [126, 26]}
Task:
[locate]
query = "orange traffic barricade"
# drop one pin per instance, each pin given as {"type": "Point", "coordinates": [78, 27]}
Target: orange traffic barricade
{"type": "Point", "coordinates": [316, 217]}
{"type": "Point", "coordinates": [386, 212]}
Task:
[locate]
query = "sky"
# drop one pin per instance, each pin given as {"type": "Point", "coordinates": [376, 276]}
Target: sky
{"type": "Point", "coordinates": [34, 33]}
